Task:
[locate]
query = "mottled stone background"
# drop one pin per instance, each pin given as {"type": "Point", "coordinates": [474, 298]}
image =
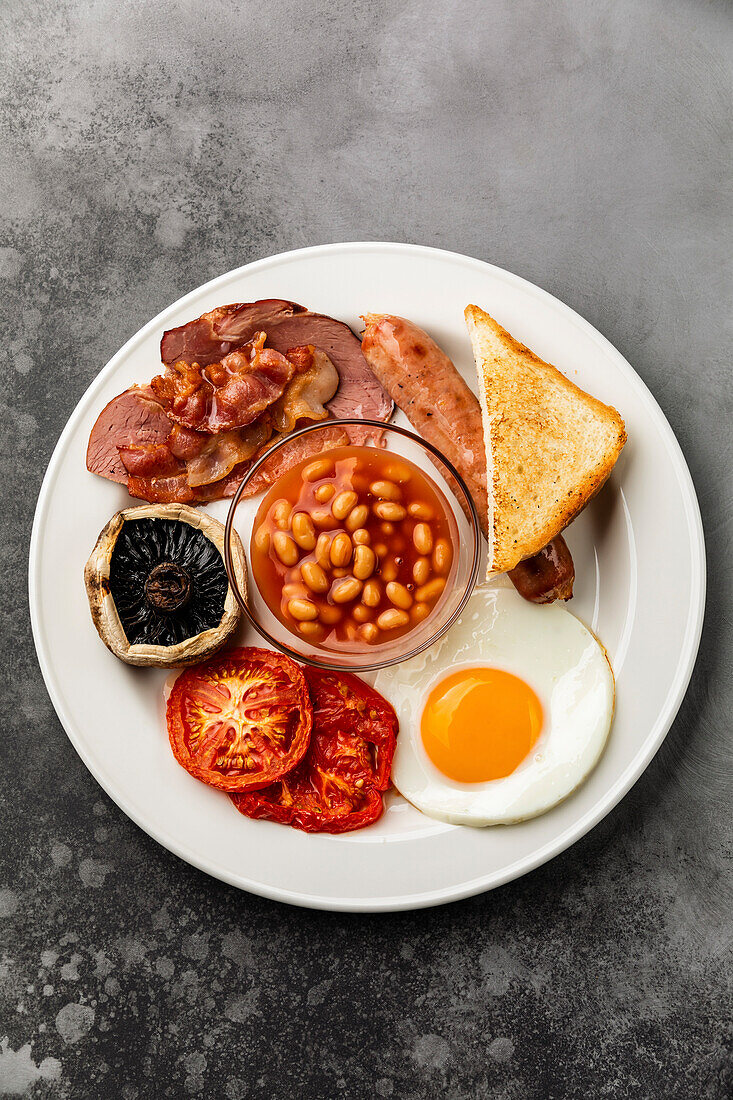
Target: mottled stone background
{"type": "Point", "coordinates": [147, 147]}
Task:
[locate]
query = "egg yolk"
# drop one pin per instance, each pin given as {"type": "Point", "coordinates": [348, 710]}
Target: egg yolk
{"type": "Point", "coordinates": [480, 723]}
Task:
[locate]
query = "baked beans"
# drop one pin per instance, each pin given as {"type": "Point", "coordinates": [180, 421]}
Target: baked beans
{"type": "Point", "coordinates": [354, 548]}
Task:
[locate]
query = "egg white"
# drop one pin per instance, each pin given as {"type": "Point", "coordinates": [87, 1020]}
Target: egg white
{"type": "Point", "coordinates": [564, 664]}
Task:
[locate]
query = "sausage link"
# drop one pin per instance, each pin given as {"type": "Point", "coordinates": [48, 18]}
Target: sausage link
{"type": "Point", "coordinates": [546, 576]}
{"type": "Point", "coordinates": [421, 379]}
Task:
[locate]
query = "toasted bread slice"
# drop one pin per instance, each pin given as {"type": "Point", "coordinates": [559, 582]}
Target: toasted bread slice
{"type": "Point", "coordinates": [549, 445]}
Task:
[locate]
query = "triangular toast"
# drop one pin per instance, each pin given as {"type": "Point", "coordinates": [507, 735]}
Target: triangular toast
{"type": "Point", "coordinates": [549, 445]}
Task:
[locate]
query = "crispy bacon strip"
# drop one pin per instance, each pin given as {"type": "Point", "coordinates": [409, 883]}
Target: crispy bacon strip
{"type": "Point", "coordinates": [226, 450]}
{"type": "Point", "coordinates": [162, 490]}
{"type": "Point", "coordinates": [185, 443]}
{"type": "Point", "coordinates": [193, 433]}
{"type": "Point", "coordinates": [217, 463]}
{"type": "Point", "coordinates": [149, 460]}
{"type": "Point", "coordinates": [231, 393]}
{"type": "Point", "coordinates": [314, 383]}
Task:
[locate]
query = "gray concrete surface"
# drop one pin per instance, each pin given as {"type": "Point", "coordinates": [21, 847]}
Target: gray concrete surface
{"type": "Point", "coordinates": [148, 147]}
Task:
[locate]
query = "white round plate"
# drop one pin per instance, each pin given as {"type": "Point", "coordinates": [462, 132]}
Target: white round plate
{"type": "Point", "coordinates": [639, 556]}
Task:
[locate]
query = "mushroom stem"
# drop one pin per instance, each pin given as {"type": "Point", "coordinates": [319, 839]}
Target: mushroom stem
{"type": "Point", "coordinates": [168, 588]}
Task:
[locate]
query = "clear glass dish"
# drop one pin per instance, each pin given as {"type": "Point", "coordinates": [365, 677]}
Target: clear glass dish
{"type": "Point", "coordinates": [398, 442]}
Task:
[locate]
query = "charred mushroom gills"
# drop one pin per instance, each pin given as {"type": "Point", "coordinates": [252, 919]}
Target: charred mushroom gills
{"type": "Point", "coordinates": [168, 581]}
{"type": "Point", "coordinates": [158, 588]}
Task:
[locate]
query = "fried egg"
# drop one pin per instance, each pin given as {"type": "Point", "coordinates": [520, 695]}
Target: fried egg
{"type": "Point", "coordinates": [504, 716]}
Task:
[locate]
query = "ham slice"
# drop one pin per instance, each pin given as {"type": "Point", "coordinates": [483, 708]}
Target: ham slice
{"type": "Point", "coordinates": [134, 418]}
{"type": "Point", "coordinates": [213, 335]}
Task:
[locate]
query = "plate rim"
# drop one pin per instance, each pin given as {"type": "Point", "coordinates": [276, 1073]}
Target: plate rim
{"type": "Point", "coordinates": [614, 794]}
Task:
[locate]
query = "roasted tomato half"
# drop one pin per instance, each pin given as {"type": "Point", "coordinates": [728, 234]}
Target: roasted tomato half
{"type": "Point", "coordinates": [338, 786]}
{"type": "Point", "coordinates": [240, 720]}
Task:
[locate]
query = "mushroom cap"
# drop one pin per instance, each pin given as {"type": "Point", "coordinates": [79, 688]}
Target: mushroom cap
{"type": "Point", "coordinates": [104, 609]}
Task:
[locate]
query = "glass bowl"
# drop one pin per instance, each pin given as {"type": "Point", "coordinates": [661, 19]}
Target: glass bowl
{"type": "Point", "coordinates": [393, 441]}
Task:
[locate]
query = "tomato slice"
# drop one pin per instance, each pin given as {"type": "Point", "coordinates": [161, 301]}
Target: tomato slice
{"type": "Point", "coordinates": [338, 786]}
{"type": "Point", "coordinates": [240, 720]}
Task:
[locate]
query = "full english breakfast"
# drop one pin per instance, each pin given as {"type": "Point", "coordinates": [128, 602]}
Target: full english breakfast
{"type": "Point", "coordinates": [355, 543]}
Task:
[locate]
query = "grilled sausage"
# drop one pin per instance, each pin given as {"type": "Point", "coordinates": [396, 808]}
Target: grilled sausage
{"type": "Point", "coordinates": [546, 576]}
{"type": "Point", "coordinates": [424, 383]}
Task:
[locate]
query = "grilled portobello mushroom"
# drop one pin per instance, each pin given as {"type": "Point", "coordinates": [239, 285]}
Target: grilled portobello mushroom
{"type": "Point", "coordinates": [157, 585]}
